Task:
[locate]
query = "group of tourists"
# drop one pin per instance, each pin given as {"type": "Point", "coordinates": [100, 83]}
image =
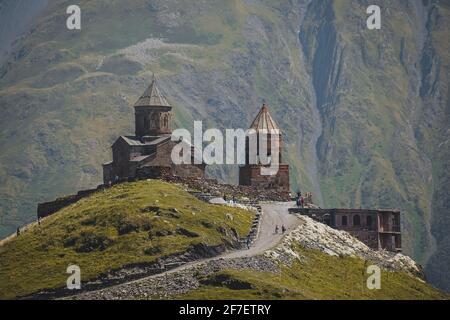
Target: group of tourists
{"type": "Point", "coordinates": [277, 229]}
{"type": "Point", "coordinates": [301, 200]}
{"type": "Point", "coordinates": [233, 199]}
{"type": "Point", "coordinates": [19, 230]}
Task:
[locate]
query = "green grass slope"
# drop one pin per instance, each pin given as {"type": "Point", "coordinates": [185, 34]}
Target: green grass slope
{"type": "Point", "coordinates": [364, 112]}
{"type": "Point", "coordinates": [128, 224]}
{"type": "Point", "coordinates": [318, 276]}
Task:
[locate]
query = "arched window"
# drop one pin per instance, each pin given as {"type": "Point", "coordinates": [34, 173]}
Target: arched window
{"type": "Point", "coordinates": [166, 121]}
{"type": "Point", "coordinates": [153, 121]}
{"type": "Point", "coordinates": [369, 222]}
{"type": "Point", "coordinates": [356, 220]}
{"type": "Point", "coordinates": [344, 220]}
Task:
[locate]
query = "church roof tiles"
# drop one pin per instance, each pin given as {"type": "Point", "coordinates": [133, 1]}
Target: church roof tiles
{"type": "Point", "coordinates": [152, 97]}
{"type": "Point", "coordinates": [264, 120]}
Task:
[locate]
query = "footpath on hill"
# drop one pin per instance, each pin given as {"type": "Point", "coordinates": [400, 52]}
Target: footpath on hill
{"type": "Point", "coordinates": [273, 214]}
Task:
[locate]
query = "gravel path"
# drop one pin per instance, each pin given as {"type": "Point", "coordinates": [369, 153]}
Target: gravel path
{"type": "Point", "coordinates": [273, 214]}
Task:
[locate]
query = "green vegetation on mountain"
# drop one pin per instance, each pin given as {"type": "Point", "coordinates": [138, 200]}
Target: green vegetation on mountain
{"type": "Point", "coordinates": [365, 113]}
{"type": "Point", "coordinates": [128, 224]}
{"type": "Point", "coordinates": [138, 223]}
{"type": "Point", "coordinates": [318, 276]}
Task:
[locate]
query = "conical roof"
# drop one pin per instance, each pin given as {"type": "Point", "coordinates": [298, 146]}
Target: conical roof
{"type": "Point", "coordinates": [152, 97]}
{"type": "Point", "coordinates": [264, 120]}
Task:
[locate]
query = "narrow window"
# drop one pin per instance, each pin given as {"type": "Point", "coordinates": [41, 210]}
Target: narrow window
{"type": "Point", "coordinates": [369, 222]}
{"type": "Point", "coordinates": [356, 220]}
{"type": "Point", "coordinates": [153, 121]}
{"type": "Point", "coordinates": [344, 220]}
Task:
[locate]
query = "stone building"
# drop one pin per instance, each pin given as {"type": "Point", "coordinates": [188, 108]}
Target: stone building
{"type": "Point", "coordinates": [250, 174]}
{"type": "Point", "coordinates": [378, 229]}
{"type": "Point", "coordinates": [147, 154]}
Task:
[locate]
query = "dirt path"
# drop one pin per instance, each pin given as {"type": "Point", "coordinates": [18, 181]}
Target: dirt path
{"type": "Point", "coordinates": [273, 214]}
{"type": "Point", "coordinates": [23, 229]}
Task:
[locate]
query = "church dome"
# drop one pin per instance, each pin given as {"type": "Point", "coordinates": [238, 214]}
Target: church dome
{"type": "Point", "coordinates": [152, 97]}
{"type": "Point", "coordinates": [264, 120]}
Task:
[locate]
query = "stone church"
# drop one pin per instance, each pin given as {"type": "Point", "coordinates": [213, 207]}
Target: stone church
{"type": "Point", "coordinates": [147, 154]}
{"type": "Point", "coordinates": [250, 173]}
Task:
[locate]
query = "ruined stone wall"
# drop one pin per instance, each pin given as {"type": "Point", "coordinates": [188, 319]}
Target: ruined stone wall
{"type": "Point", "coordinates": [189, 171]}
{"type": "Point", "coordinates": [48, 208]}
{"type": "Point", "coordinates": [212, 187]}
{"type": "Point", "coordinates": [153, 172]}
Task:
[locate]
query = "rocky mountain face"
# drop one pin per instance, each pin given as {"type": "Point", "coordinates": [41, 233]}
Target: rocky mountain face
{"type": "Point", "coordinates": [365, 113]}
{"type": "Point", "coordinates": [16, 17]}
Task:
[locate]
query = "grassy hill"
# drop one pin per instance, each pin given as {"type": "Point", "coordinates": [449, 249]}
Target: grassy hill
{"type": "Point", "coordinates": [365, 113]}
{"type": "Point", "coordinates": [318, 276]}
{"type": "Point", "coordinates": [126, 225]}
{"type": "Point", "coordinates": [138, 223]}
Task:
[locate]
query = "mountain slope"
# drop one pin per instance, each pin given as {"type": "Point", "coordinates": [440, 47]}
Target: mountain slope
{"type": "Point", "coordinates": [113, 233]}
{"type": "Point", "coordinates": [312, 261]}
{"type": "Point", "coordinates": [365, 114]}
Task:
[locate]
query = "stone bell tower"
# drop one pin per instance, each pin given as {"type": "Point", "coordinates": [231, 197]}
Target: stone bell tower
{"type": "Point", "coordinates": [153, 114]}
{"type": "Point", "coordinates": [250, 174]}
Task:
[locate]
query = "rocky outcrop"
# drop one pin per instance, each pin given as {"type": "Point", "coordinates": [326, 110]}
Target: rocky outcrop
{"type": "Point", "coordinates": [179, 282]}
{"type": "Point", "coordinates": [317, 236]}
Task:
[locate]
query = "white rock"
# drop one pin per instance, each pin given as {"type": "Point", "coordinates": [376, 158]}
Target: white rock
{"type": "Point", "coordinates": [314, 235]}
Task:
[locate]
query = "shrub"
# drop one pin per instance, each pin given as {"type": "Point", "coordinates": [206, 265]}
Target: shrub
{"type": "Point", "coordinates": [89, 241]}
{"type": "Point", "coordinates": [152, 251]}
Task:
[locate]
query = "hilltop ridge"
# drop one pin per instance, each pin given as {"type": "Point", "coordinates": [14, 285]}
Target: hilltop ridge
{"type": "Point", "coordinates": [119, 236]}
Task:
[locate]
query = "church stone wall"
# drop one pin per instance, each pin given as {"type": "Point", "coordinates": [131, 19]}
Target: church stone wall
{"type": "Point", "coordinates": [250, 175]}
{"type": "Point", "coordinates": [121, 159]}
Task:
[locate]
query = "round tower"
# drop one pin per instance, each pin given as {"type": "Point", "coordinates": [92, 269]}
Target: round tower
{"type": "Point", "coordinates": [265, 124]}
{"type": "Point", "coordinates": [153, 114]}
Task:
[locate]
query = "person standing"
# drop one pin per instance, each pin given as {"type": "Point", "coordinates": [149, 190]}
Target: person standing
{"type": "Point", "coordinates": [283, 229]}
{"type": "Point", "coordinates": [276, 229]}
{"type": "Point", "coordinates": [18, 231]}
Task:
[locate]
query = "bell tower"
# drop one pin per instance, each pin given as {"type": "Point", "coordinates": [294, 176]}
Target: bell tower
{"type": "Point", "coordinates": [251, 174]}
{"type": "Point", "coordinates": [153, 114]}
